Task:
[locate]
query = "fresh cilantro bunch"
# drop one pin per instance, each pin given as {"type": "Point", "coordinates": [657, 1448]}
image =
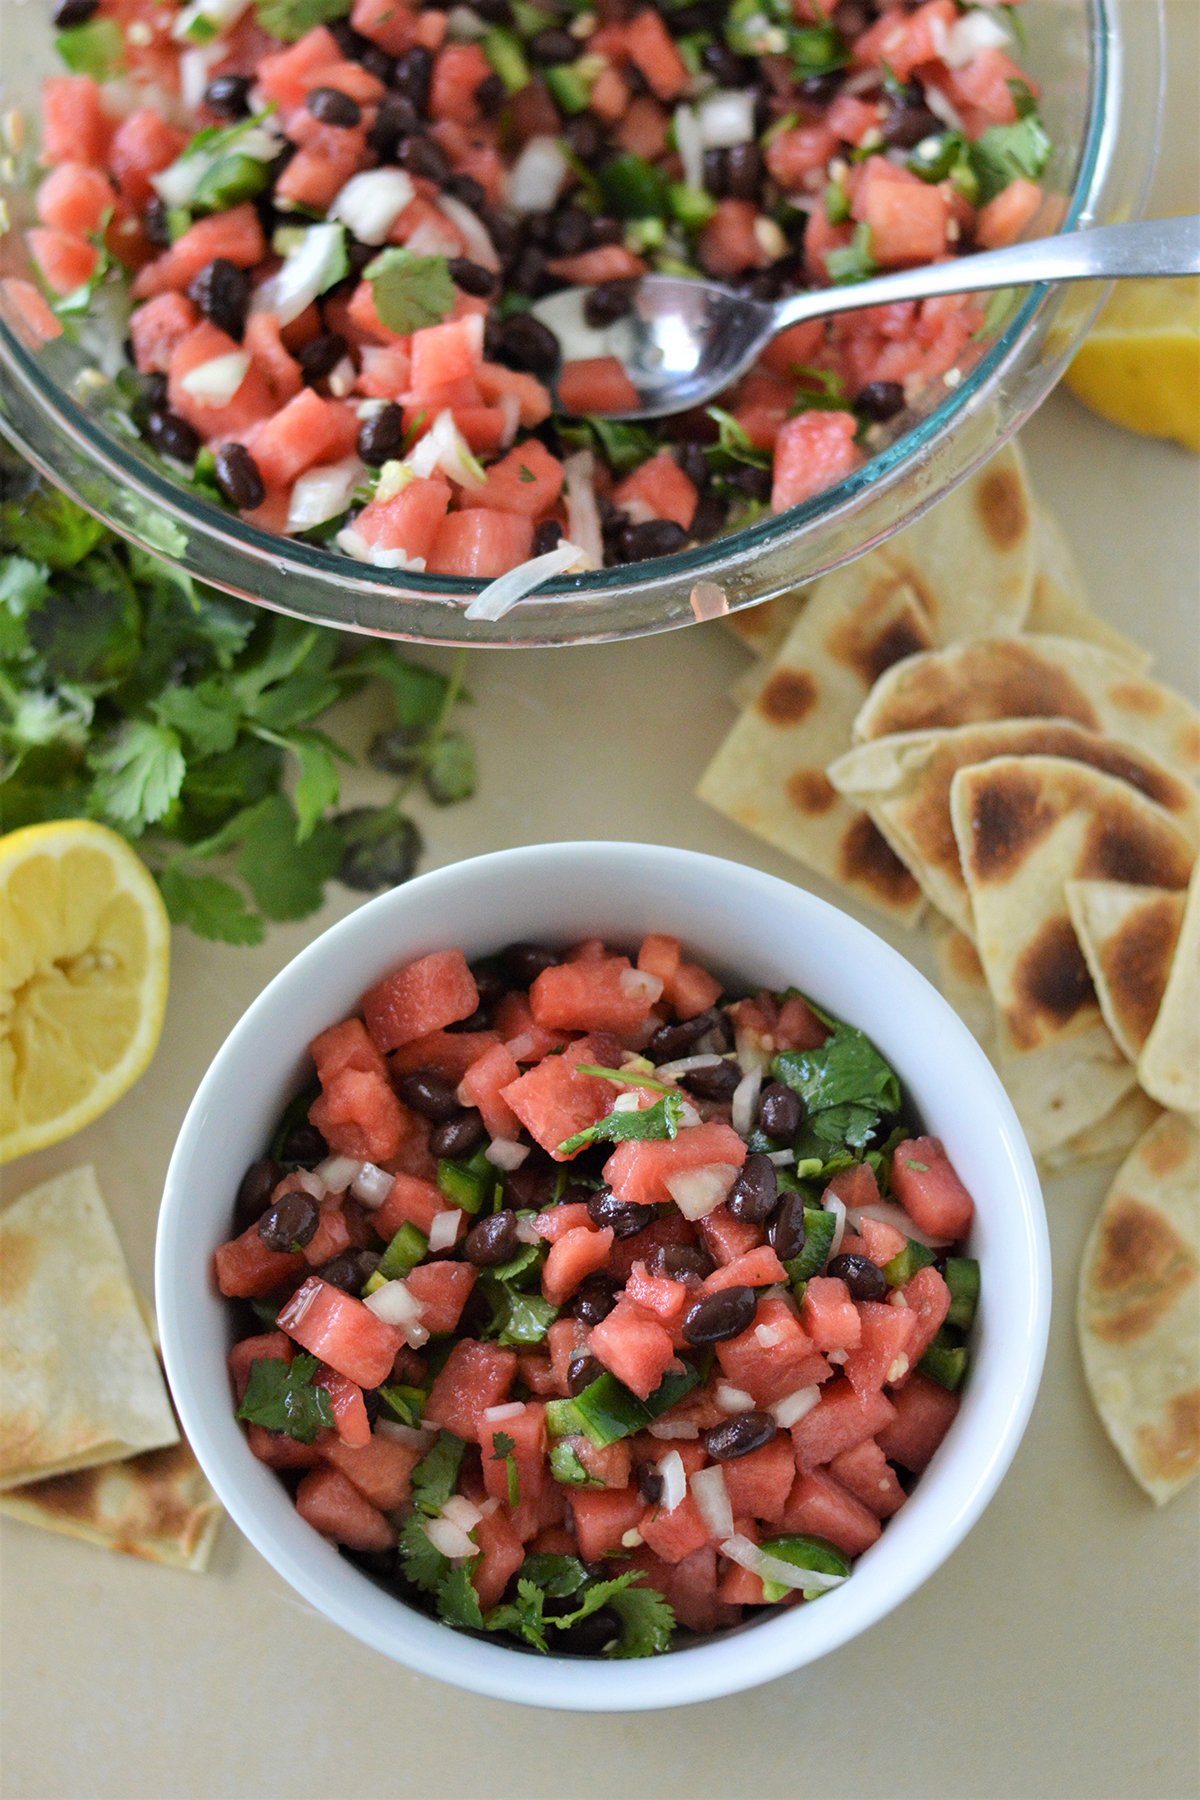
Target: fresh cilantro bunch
{"type": "Point", "coordinates": [194, 724]}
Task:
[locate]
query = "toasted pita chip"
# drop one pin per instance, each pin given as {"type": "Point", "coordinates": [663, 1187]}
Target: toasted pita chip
{"type": "Point", "coordinates": [158, 1506]}
{"type": "Point", "coordinates": [769, 774]}
{"type": "Point", "coordinates": [1026, 826]}
{"type": "Point", "coordinates": [1169, 1065]}
{"type": "Point", "coordinates": [1111, 1138]}
{"type": "Point", "coordinates": [1128, 936]}
{"type": "Point", "coordinates": [79, 1381]}
{"type": "Point", "coordinates": [904, 783]}
{"type": "Point", "coordinates": [764, 628]}
{"type": "Point", "coordinates": [1030, 678]}
{"type": "Point", "coordinates": [1060, 604]}
{"type": "Point", "coordinates": [1138, 1313]}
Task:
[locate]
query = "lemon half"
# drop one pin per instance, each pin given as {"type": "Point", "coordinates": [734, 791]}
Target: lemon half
{"type": "Point", "coordinates": [84, 961]}
{"type": "Point", "coordinates": [1140, 364]}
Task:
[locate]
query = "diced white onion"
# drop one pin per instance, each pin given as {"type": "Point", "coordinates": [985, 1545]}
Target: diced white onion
{"type": "Point", "coordinates": [434, 237]}
{"type": "Point", "coordinates": [536, 178]}
{"type": "Point", "coordinates": [689, 141]}
{"type": "Point", "coordinates": [527, 1232]}
{"type": "Point", "coordinates": [732, 1399]}
{"type": "Point", "coordinates": [178, 182]}
{"type": "Point", "coordinates": [674, 1481]}
{"type": "Point", "coordinates": [727, 118]}
{"type": "Point", "coordinates": [194, 66]}
{"type": "Point", "coordinates": [679, 1429]}
{"type": "Point", "coordinates": [506, 1153]}
{"type": "Point", "coordinates": [315, 264]}
{"type": "Point", "coordinates": [509, 408]}
{"type": "Point", "coordinates": [712, 1500]}
{"type": "Point", "coordinates": [640, 984]}
{"type": "Point", "coordinates": [631, 1102]}
{"type": "Point", "coordinates": [449, 1538]}
{"type": "Point", "coordinates": [356, 545]}
{"type": "Point", "coordinates": [444, 447]}
{"type": "Point", "coordinates": [768, 235]}
{"type": "Point", "coordinates": [372, 1185]}
{"type": "Point", "coordinates": [322, 494]}
{"type": "Point", "coordinates": [974, 32]}
{"type": "Point", "coordinates": [489, 1506]}
{"type": "Point", "coordinates": [311, 1182]}
{"type": "Point", "coordinates": [832, 1204]}
{"type": "Point", "coordinates": [837, 1356]}
{"type": "Point", "coordinates": [781, 1158]}
{"type": "Point", "coordinates": [203, 19]}
{"type": "Point", "coordinates": [887, 1213]}
{"type": "Point", "coordinates": [338, 1172]}
{"type": "Point", "coordinates": [217, 380]}
{"type": "Point", "coordinates": [942, 107]}
{"type": "Point", "coordinates": [496, 1415]}
{"type": "Point", "coordinates": [744, 1103]}
{"type": "Point", "coordinates": [415, 1437]}
{"type": "Point", "coordinates": [464, 25]}
{"type": "Point", "coordinates": [444, 1227]}
{"type": "Point", "coordinates": [740, 1550]}
{"type": "Point", "coordinates": [769, 1335]}
{"type": "Point", "coordinates": [684, 1065]}
{"type": "Point", "coordinates": [521, 1046]}
{"type": "Point", "coordinates": [472, 230]}
{"type": "Point", "coordinates": [370, 203]}
{"type": "Point", "coordinates": [501, 595]}
{"type": "Point", "coordinates": [788, 1411]}
{"type": "Point", "coordinates": [394, 1304]}
{"type": "Point", "coordinates": [341, 378]}
{"type": "Point", "coordinates": [583, 509]}
{"type": "Point", "coordinates": [697, 1192]}
{"type": "Point", "coordinates": [688, 1114]}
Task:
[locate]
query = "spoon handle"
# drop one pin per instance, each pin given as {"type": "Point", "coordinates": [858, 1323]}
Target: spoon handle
{"type": "Point", "coordinates": [1148, 247]}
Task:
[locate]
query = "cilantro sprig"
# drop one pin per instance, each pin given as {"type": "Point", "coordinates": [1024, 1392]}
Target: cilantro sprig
{"type": "Point", "coordinates": [847, 1089]}
{"type": "Point", "coordinates": [283, 1397]}
{"type": "Point", "coordinates": [662, 1120]}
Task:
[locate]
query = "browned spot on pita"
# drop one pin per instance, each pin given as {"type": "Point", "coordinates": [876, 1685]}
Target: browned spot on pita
{"type": "Point", "coordinates": [16, 1265]}
{"type": "Point", "coordinates": [1173, 1452]}
{"type": "Point", "coordinates": [811, 791]}
{"type": "Point", "coordinates": [886, 627]}
{"type": "Point", "coordinates": [158, 1509]}
{"type": "Point", "coordinates": [1141, 1316]}
{"type": "Point", "coordinates": [867, 857]}
{"type": "Point", "coordinates": [1051, 980]}
{"type": "Point", "coordinates": [788, 697]}
{"type": "Point", "coordinates": [1167, 1149]}
{"type": "Point", "coordinates": [964, 957]}
{"type": "Point", "coordinates": [999, 680]}
{"type": "Point", "coordinates": [1011, 816]}
{"type": "Point", "coordinates": [1138, 1247]}
{"type": "Point", "coordinates": [1137, 697]}
{"type": "Point", "coordinates": [1137, 961]}
{"type": "Point", "coordinates": [1002, 508]}
{"type": "Point", "coordinates": [1134, 850]}
{"type": "Point", "coordinates": [1189, 745]}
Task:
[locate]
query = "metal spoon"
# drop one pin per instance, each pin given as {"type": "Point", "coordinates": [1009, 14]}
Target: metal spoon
{"type": "Point", "coordinates": [684, 341]}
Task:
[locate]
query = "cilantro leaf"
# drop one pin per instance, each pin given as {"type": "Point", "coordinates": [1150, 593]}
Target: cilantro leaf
{"type": "Point", "coordinates": [623, 446]}
{"type": "Point", "coordinates": [95, 48]}
{"type": "Point", "coordinates": [647, 1622]}
{"type": "Point", "coordinates": [556, 1576]}
{"type": "Point", "coordinates": [457, 1601]}
{"type": "Point", "coordinates": [502, 1451]}
{"type": "Point", "coordinates": [853, 261]}
{"type": "Point", "coordinates": [318, 785]}
{"type": "Point", "coordinates": [847, 1067]}
{"type": "Point", "coordinates": [418, 694]}
{"type": "Point", "coordinates": [213, 908]}
{"type": "Point", "coordinates": [434, 1478]}
{"type": "Point", "coordinates": [205, 716]}
{"type": "Point", "coordinates": [450, 773]}
{"type": "Point", "coordinates": [47, 526]}
{"type": "Point", "coordinates": [138, 775]}
{"type": "Point", "coordinates": [380, 847]}
{"type": "Point", "coordinates": [517, 1318]}
{"type": "Point", "coordinates": [524, 1616]}
{"type": "Point", "coordinates": [658, 1121]}
{"type": "Point", "coordinates": [423, 1565]}
{"type": "Point", "coordinates": [290, 19]}
{"type": "Point", "coordinates": [287, 877]}
{"type": "Point", "coordinates": [283, 1398]}
{"type": "Point", "coordinates": [502, 1446]}
{"type": "Point", "coordinates": [1004, 152]}
{"type": "Point", "coordinates": [410, 291]}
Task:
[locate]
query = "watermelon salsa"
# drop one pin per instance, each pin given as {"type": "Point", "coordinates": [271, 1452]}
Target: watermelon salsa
{"type": "Point", "coordinates": [331, 220]}
{"type": "Point", "coordinates": [583, 1303]}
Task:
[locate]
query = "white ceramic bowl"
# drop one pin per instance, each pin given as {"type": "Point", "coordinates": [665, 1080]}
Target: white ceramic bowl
{"type": "Point", "coordinates": [755, 930]}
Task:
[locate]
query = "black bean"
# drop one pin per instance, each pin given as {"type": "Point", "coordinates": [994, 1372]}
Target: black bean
{"type": "Point", "coordinates": [348, 41]}
{"type": "Point", "coordinates": [531, 1187]}
{"type": "Point", "coordinates": [719, 1316]}
{"type": "Point", "coordinates": [154, 222]}
{"type": "Point", "coordinates": [421, 156]}
{"type": "Point", "coordinates": [743, 171]}
{"type": "Point", "coordinates": [378, 63]}
{"type": "Point", "coordinates": [468, 190]}
{"type": "Point", "coordinates": [670, 1042]}
{"type": "Point", "coordinates": [756, 483]}
{"type": "Point", "coordinates": [304, 1145]}
{"type": "Point", "coordinates": [530, 276]}
{"type": "Point", "coordinates": [547, 537]}
{"type": "Point", "coordinates": [591, 1636]}
{"type": "Point", "coordinates": [880, 400]}
{"type": "Point", "coordinates": [173, 436]}
{"type": "Point", "coordinates": [731, 71]}
{"type": "Point", "coordinates": [414, 72]}
{"type": "Point", "coordinates": [505, 236]}
{"type": "Point", "coordinates": [472, 277]}
{"type": "Point", "coordinates": [350, 1271]}
{"type": "Point", "coordinates": [491, 95]}
{"type": "Point", "coordinates": [611, 300]}
{"type": "Point", "coordinates": [523, 963]}
{"type": "Point", "coordinates": [585, 135]}
{"type": "Point", "coordinates": [372, 1404]}
{"type": "Point", "coordinates": [321, 355]}
{"type": "Point", "coordinates": [430, 1094]}
{"type": "Point", "coordinates": [657, 537]}
{"type": "Point", "coordinates": [291, 1222]}
{"type": "Point", "coordinates": [237, 476]}
{"type": "Point", "coordinates": [222, 292]}
{"type": "Point", "coordinates": [479, 1020]}
{"type": "Point", "coordinates": [626, 1219]}
{"type": "Point", "coordinates": [738, 1436]}
{"type": "Point", "coordinates": [718, 1082]}
{"type": "Point", "coordinates": [255, 1190]}
{"type": "Point", "coordinates": [73, 12]}
{"type": "Point", "coordinates": [382, 437]}
{"type": "Point", "coordinates": [694, 463]}
{"type": "Point", "coordinates": [754, 1194]}
{"type": "Point", "coordinates": [552, 46]}
{"type": "Point", "coordinates": [571, 231]}
{"type": "Point", "coordinates": [680, 1262]}
{"type": "Point", "coordinates": [650, 1484]}
{"type": "Point", "coordinates": [595, 1299]}
{"type": "Point", "coordinates": [709, 517]}
{"type": "Point", "coordinates": [493, 1240]}
{"type": "Point", "coordinates": [606, 230]}
{"type": "Point", "coordinates": [358, 256]}
{"type": "Point", "coordinates": [908, 123]}
{"type": "Point", "coordinates": [458, 1137]}
{"type": "Point", "coordinates": [151, 397]}
{"type": "Point", "coordinates": [396, 119]}
{"type": "Point", "coordinates": [332, 107]}
{"type": "Point", "coordinates": [716, 173]}
{"type": "Point", "coordinates": [780, 1113]}
{"type": "Point", "coordinates": [785, 1233]}
{"type": "Point", "coordinates": [494, 12]}
{"type": "Point", "coordinates": [490, 984]}
{"type": "Point", "coordinates": [822, 90]}
{"type": "Point", "coordinates": [865, 1279]}
{"type": "Point", "coordinates": [582, 1370]}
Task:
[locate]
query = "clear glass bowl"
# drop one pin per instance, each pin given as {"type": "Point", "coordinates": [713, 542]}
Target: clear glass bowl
{"type": "Point", "coordinates": [1099, 65]}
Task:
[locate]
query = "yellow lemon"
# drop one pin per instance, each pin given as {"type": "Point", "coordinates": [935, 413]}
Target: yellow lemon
{"type": "Point", "coordinates": [84, 960]}
{"type": "Point", "coordinates": [1140, 364]}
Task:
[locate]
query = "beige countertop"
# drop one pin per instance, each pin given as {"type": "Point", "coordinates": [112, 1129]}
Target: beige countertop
{"type": "Point", "coordinates": [1057, 1652]}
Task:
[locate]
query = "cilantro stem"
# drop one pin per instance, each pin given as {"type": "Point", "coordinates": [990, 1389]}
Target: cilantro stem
{"type": "Point", "coordinates": [437, 731]}
{"type": "Point", "coordinates": [624, 1077]}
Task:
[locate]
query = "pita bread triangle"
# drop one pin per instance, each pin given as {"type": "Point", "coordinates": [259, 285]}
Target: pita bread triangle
{"type": "Point", "coordinates": [1128, 936]}
{"type": "Point", "coordinates": [1169, 1065]}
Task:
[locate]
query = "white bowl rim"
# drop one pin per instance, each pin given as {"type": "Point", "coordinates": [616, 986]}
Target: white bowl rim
{"type": "Point", "coordinates": [733, 1661]}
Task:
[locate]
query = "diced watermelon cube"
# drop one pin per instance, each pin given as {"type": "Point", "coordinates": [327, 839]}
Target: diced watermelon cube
{"type": "Point", "coordinates": [236, 235]}
{"type": "Point", "coordinates": [812, 452]}
{"type": "Point", "coordinates": [443, 1289]}
{"type": "Point", "coordinates": [556, 1221]}
{"type": "Point", "coordinates": [526, 1432]}
{"type": "Point", "coordinates": [907, 224]}
{"type": "Point", "coordinates": [482, 1087]}
{"type": "Point", "coordinates": [821, 1506]}
{"type": "Point", "coordinates": [840, 1420]}
{"type": "Point", "coordinates": [689, 1587]}
{"type": "Point", "coordinates": [595, 384]}
{"type": "Point", "coordinates": [659, 955]}
{"type": "Point", "coordinates": [247, 1270]}
{"type": "Point", "coordinates": [924, 1413]}
{"type": "Point", "coordinates": [143, 144]}
{"type": "Point", "coordinates": [528, 480]}
{"type": "Point", "coordinates": [727, 1238]}
{"type": "Point", "coordinates": [866, 1472]}
{"type": "Point", "coordinates": [333, 1506]}
{"type": "Point", "coordinates": [573, 1257]}
{"type": "Point", "coordinates": [448, 1053]}
{"type": "Point", "coordinates": [350, 1420]}
{"type": "Point", "coordinates": [602, 1517]}
{"type": "Point", "coordinates": [758, 1268]}
{"type": "Point", "coordinates": [692, 990]}
{"type": "Point", "coordinates": [285, 76]}
{"type": "Point", "coordinates": [445, 353]}
{"type": "Point", "coordinates": [267, 1346]}
{"type": "Point", "coordinates": [668, 1300]}
{"type": "Point", "coordinates": [280, 1451]}
{"type": "Point", "coordinates": [554, 1101]}
{"type": "Point", "coordinates": [412, 1201]}
{"type": "Point", "coordinates": [345, 1046]}
{"type": "Point", "coordinates": [157, 327]}
{"type": "Point", "coordinates": [661, 486]}
{"type": "Point", "coordinates": [473, 1377]}
{"type": "Point", "coordinates": [65, 258]}
{"type": "Point", "coordinates": [652, 49]}
{"type": "Point", "coordinates": [769, 1372]}
{"type": "Point", "coordinates": [341, 1331]}
{"type": "Point", "coordinates": [609, 1464]}
{"type": "Point", "coordinates": [424, 996]}
{"type": "Point", "coordinates": [927, 1302]}
{"type": "Point", "coordinates": [307, 431]}
{"type": "Point", "coordinates": [231, 419]}
{"type": "Point", "coordinates": [1003, 220]}
{"type": "Point", "coordinates": [480, 544]}
{"type": "Point", "coordinates": [729, 244]}
{"type": "Point", "coordinates": [758, 1485]}
{"type": "Point", "coordinates": [459, 70]}
{"type": "Point", "coordinates": [674, 1535]}
{"type": "Point", "coordinates": [634, 1346]}
{"type": "Point", "coordinates": [882, 1241]}
{"type": "Point", "coordinates": [930, 1191]}
{"type": "Point", "coordinates": [638, 1171]}
{"type": "Point", "coordinates": [381, 1469]}
{"type": "Point", "coordinates": [501, 1555]}
{"type": "Point", "coordinates": [564, 1338]}
{"type": "Point", "coordinates": [589, 996]}
{"type": "Point", "coordinates": [332, 1235]}
{"type": "Point", "coordinates": [829, 1315]}
{"type": "Point", "coordinates": [884, 1353]}
{"type": "Point", "coordinates": [386, 23]}
{"type": "Point", "coordinates": [359, 1115]}
{"type": "Point", "coordinates": [75, 198]}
